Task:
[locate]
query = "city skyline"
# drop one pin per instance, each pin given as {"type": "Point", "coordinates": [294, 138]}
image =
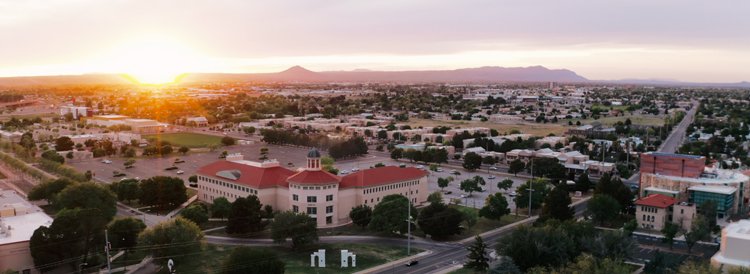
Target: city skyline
{"type": "Point", "coordinates": [685, 40]}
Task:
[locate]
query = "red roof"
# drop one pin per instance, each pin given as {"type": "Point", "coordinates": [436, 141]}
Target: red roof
{"type": "Point", "coordinates": [257, 177]}
{"type": "Point", "coordinates": [656, 200]}
{"type": "Point", "coordinates": [381, 176]}
{"type": "Point", "coordinates": [314, 177]}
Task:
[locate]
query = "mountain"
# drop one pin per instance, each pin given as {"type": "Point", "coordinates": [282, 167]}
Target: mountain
{"type": "Point", "coordinates": [90, 79]}
{"type": "Point", "coordinates": [663, 82]}
{"type": "Point", "coordinates": [466, 75]}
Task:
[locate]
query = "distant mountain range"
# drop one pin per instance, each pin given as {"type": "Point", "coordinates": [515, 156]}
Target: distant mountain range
{"type": "Point", "coordinates": [299, 74]}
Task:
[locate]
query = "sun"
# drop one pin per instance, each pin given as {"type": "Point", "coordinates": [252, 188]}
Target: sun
{"type": "Point", "coordinates": [154, 61]}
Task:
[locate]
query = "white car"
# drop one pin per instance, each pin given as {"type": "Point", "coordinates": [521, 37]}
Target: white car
{"type": "Point", "coordinates": [344, 172]}
{"type": "Point", "coordinates": [355, 169]}
{"type": "Point", "coordinates": [493, 168]}
{"type": "Point", "coordinates": [106, 161]}
{"type": "Point", "coordinates": [491, 177]}
{"type": "Point", "coordinates": [180, 172]}
{"type": "Point", "coordinates": [513, 194]}
{"type": "Point", "coordinates": [439, 170]}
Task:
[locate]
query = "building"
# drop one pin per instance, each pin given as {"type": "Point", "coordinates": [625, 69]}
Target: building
{"type": "Point", "coordinates": [688, 179]}
{"type": "Point", "coordinates": [141, 126]}
{"type": "Point", "coordinates": [734, 251]}
{"type": "Point", "coordinates": [18, 221]}
{"type": "Point", "coordinates": [324, 196]}
{"type": "Point", "coordinates": [76, 112]}
{"type": "Point", "coordinates": [199, 121]}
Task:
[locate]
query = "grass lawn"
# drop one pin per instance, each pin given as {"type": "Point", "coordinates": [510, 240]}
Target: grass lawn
{"type": "Point", "coordinates": [463, 271]}
{"type": "Point", "coordinates": [191, 140]}
{"type": "Point", "coordinates": [646, 120]}
{"type": "Point", "coordinates": [530, 128]}
{"type": "Point", "coordinates": [483, 224]}
{"type": "Point", "coordinates": [297, 261]}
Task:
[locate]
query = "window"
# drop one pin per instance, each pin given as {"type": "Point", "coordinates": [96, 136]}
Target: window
{"type": "Point", "coordinates": [329, 219]}
{"type": "Point", "coordinates": [329, 209]}
{"type": "Point", "coordinates": [329, 198]}
{"type": "Point", "coordinates": [312, 210]}
{"type": "Point", "coordinates": [312, 199]}
{"type": "Point", "coordinates": [295, 197]}
{"type": "Point", "coordinates": [295, 209]}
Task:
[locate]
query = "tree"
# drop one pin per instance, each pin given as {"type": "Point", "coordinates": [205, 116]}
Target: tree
{"type": "Point", "coordinates": [583, 184]}
{"type": "Point", "coordinates": [48, 190]}
{"type": "Point", "coordinates": [708, 210]}
{"type": "Point", "coordinates": [53, 156]}
{"type": "Point", "coordinates": [249, 130]}
{"type": "Point", "coordinates": [440, 221]}
{"type": "Point", "coordinates": [195, 213]}
{"type": "Point", "coordinates": [390, 214]}
{"type": "Point", "coordinates": [163, 192]}
{"type": "Point", "coordinates": [539, 187]}
{"type": "Point", "coordinates": [129, 163]}
{"type": "Point", "coordinates": [124, 232]}
{"type": "Point", "coordinates": [193, 179]}
{"type": "Point", "coordinates": [629, 227]}
{"type": "Point", "coordinates": [505, 184]}
{"type": "Point", "coordinates": [699, 230]}
{"type": "Point", "coordinates": [557, 205]}
{"type": "Point", "coordinates": [245, 216]}
{"type": "Point", "coordinates": [516, 166]}
{"type": "Point", "coordinates": [126, 190]}
{"type": "Point", "coordinates": [495, 207]}
{"type": "Point", "coordinates": [361, 215]}
{"type": "Point", "coordinates": [472, 161]}
{"type": "Point", "coordinates": [298, 226]}
{"type": "Point", "coordinates": [249, 260]}
{"type": "Point", "coordinates": [397, 153]}
{"type": "Point", "coordinates": [61, 241]}
{"type": "Point", "coordinates": [443, 182]}
{"type": "Point", "coordinates": [89, 196]}
{"type": "Point", "coordinates": [184, 150]}
{"type": "Point", "coordinates": [64, 143]}
{"type": "Point", "coordinates": [220, 208]}
{"type": "Point", "coordinates": [227, 141]}
{"type": "Point", "coordinates": [470, 185]}
{"type": "Point", "coordinates": [695, 267]}
{"type": "Point", "coordinates": [669, 231]}
{"type": "Point", "coordinates": [173, 237]}
{"type": "Point", "coordinates": [504, 266]}
{"type": "Point", "coordinates": [435, 198]}
{"type": "Point", "coordinates": [477, 258]}
{"type": "Point", "coordinates": [602, 208]}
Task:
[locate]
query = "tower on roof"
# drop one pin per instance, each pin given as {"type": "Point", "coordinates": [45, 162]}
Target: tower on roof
{"type": "Point", "coordinates": [313, 159]}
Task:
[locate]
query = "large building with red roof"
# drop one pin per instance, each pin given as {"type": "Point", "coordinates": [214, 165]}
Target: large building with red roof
{"type": "Point", "coordinates": [654, 211]}
{"type": "Point", "coordinates": [324, 196]}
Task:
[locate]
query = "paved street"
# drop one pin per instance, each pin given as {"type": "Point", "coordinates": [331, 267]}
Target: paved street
{"type": "Point", "coordinates": [677, 136]}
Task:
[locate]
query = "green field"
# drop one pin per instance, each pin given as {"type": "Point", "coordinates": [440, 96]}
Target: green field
{"type": "Point", "coordinates": [298, 261]}
{"type": "Point", "coordinates": [191, 140]}
{"type": "Point", "coordinates": [645, 120]}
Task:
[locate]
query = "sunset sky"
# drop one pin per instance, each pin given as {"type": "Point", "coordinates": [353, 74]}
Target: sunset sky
{"type": "Point", "coordinates": [697, 41]}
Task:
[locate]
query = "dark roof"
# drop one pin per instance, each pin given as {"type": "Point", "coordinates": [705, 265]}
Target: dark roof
{"type": "Point", "coordinates": [313, 153]}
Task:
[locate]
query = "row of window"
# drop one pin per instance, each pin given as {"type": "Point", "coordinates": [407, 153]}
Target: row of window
{"type": "Point", "coordinates": [229, 185]}
{"type": "Point", "coordinates": [390, 187]}
{"type": "Point", "coordinates": [648, 218]}
{"type": "Point", "coordinates": [648, 209]}
{"type": "Point", "coordinates": [312, 199]}
{"type": "Point", "coordinates": [373, 200]}
{"type": "Point", "coordinates": [313, 187]}
{"type": "Point", "coordinates": [313, 210]}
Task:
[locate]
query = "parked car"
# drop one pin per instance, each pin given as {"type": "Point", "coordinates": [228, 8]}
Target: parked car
{"type": "Point", "coordinates": [355, 169]}
{"type": "Point", "coordinates": [171, 168]}
{"type": "Point", "coordinates": [439, 170]}
{"type": "Point", "coordinates": [491, 177]}
{"type": "Point", "coordinates": [456, 173]}
{"type": "Point", "coordinates": [493, 168]}
{"type": "Point", "coordinates": [449, 192]}
{"type": "Point", "coordinates": [513, 194]}
{"type": "Point", "coordinates": [180, 172]}
{"type": "Point", "coordinates": [410, 263]}
{"type": "Point", "coordinates": [178, 161]}
{"type": "Point", "coordinates": [105, 161]}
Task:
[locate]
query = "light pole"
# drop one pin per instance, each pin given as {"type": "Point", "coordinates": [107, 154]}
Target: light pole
{"type": "Point", "coordinates": [530, 189]}
{"type": "Point", "coordinates": [408, 224]}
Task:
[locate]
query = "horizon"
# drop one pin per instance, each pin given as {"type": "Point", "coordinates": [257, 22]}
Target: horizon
{"type": "Point", "coordinates": [668, 41]}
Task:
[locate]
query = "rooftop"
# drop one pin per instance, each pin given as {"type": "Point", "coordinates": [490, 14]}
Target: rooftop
{"type": "Point", "coordinates": [23, 219]}
{"type": "Point", "coordinates": [686, 156]}
{"type": "Point", "coordinates": [726, 190]}
{"type": "Point", "coordinates": [381, 176]}
{"type": "Point", "coordinates": [656, 200]}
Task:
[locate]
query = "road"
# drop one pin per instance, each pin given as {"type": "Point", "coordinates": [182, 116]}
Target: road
{"type": "Point", "coordinates": [676, 137]}
{"type": "Point", "coordinates": [673, 141]}
{"type": "Point", "coordinates": [441, 259]}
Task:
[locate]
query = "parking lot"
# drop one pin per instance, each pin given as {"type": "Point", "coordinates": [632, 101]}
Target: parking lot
{"type": "Point", "coordinates": [146, 167]}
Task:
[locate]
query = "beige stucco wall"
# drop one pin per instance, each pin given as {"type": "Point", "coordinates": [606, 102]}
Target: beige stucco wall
{"type": "Point", "coordinates": [654, 219]}
{"type": "Point", "coordinates": [683, 215]}
{"type": "Point", "coordinates": [16, 256]}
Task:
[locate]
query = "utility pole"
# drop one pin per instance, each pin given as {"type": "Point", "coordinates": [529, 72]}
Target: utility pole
{"type": "Point", "coordinates": [408, 225]}
{"type": "Point", "coordinates": [531, 191]}
{"type": "Point", "coordinates": [106, 249]}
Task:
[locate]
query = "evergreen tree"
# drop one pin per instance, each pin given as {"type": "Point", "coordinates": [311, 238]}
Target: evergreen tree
{"type": "Point", "coordinates": [557, 205]}
{"type": "Point", "coordinates": [477, 258]}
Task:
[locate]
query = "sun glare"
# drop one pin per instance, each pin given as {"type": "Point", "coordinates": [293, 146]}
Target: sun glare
{"type": "Point", "coordinates": [154, 61]}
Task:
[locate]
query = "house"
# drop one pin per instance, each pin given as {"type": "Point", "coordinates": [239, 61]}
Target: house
{"type": "Point", "coordinates": [198, 121]}
{"type": "Point", "coordinates": [18, 221]}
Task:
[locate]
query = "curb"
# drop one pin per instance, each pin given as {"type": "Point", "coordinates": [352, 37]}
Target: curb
{"type": "Point", "coordinates": [394, 263]}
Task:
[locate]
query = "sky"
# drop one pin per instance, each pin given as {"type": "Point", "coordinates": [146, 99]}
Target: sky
{"type": "Point", "coordinates": [696, 41]}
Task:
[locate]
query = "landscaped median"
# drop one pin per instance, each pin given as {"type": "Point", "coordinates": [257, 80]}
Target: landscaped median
{"type": "Point", "coordinates": [191, 140]}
